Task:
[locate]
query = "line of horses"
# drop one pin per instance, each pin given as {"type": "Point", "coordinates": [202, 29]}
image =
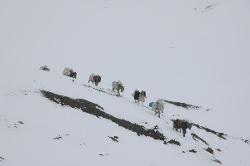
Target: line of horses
{"type": "Point", "coordinates": [118, 88]}
{"type": "Point", "coordinates": [139, 97]}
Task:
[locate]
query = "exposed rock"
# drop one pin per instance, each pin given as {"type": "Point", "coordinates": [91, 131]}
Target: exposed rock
{"type": "Point", "coordinates": [173, 141]}
{"type": "Point", "coordinates": [217, 161]}
{"type": "Point", "coordinates": [1, 158]}
{"type": "Point", "coordinates": [97, 110]}
{"type": "Point", "coordinates": [184, 105]}
{"type": "Point", "coordinates": [210, 150]}
{"type": "Point", "coordinates": [219, 134]}
{"type": "Point", "coordinates": [245, 140]}
{"type": "Point", "coordinates": [156, 127]}
{"type": "Point", "coordinates": [195, 136]}
{"type": "Point", "coordinates": [44, 68]}
{"type": "Point", "coordinates": [219, 150]}
{"type": "Point", "coordinates": [103, 154]}
{"type": "Point", "coordinates": [114, 138]}
{"type": "Point", "coordinates": [20, 122]}
{"type": "Point", "coordinates": [58, 137]}
{"type": "Point", "coordinates": [193, 151]}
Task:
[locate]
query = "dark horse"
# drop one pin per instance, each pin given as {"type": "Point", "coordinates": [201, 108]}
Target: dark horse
{"type": "Point", "coordinates": [183, 125]}
{"type": "Point", "coordinates": [73, 74]}
{"type": "Point", "coordinates": [139, 96]}
{"type": "Point", "coordinates": [136, 95]}
{"type": "Point", "coordinates": [95, 79]}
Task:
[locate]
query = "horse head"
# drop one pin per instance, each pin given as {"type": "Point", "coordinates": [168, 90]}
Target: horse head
{"type": "Point", "coordinates": [189, 125]}
{"type": "Point", "coordinates": [74, 74]}
{"type": "Point", "coordinates": [99, 78]}
{"type": "Point", "coordinates": [143, 93]}
{"type": "Point", "coordinates": [122, 88]}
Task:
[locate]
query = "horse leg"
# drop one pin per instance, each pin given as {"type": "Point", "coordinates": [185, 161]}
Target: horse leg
{"type": "Point", "coordinates": [157, 112]}
{"type": "Point", "coordinates": [141, 103]}
{"type": "Point", "coordinates": [184, 132]}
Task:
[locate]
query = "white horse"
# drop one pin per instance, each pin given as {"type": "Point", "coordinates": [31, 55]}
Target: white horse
{"type": "Point", "coordinates": [69, 72]}
{"type": "Point", "coordinates": [117, 86]}
{"type": "Point", "coordinates": [158, 107]}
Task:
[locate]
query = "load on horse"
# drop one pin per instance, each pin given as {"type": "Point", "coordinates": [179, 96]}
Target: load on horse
{"type": "Point", "coordinates": [139, 96]}
{"type": "Point", "coordinates": [69, 72]}
{"type": "Point", "coordinates": [117, 87]}
{"type": "Point", "coordinates": [95, 78]}
{"type": "Point", "coordinates": [158, 107]}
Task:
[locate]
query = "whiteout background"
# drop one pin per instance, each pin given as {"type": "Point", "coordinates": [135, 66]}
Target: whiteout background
{"type": "Point", "coordinates": [178, 50]}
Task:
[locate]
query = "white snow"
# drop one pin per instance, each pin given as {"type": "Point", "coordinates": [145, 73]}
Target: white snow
{"type": "Point", "coordinates": [193, 51]}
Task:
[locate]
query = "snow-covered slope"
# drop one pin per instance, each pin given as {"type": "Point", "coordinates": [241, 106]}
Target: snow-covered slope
{"type": "Point", "coordinates": [187, 51]}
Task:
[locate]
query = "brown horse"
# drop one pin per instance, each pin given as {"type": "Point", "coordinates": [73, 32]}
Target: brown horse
{"type": "Point", "coordinates": [95, 79]}
{"type": "Point", "coordinates": [183, 125]}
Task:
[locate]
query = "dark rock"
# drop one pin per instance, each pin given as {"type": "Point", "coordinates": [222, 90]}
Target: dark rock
{"type": "Point", "coordinates": [20, 122]}
{"type": "Point", "coordinates": [156, 127]}
{"type": "Point", "coordinates": [219, 150]}
{"type": "Point", "coordinates": [114, 138]}
{"type": "Point", "coordinates": [195, 136]}
{"type": "Point", "coordinates": [1, 158]}
{"type": "Point", "coordinates": [58, 137]}
{"type": "Point", "coordinates": [193, 151]}
{"type": "Point", "coordinates": [217, 161]}
{"type": "Point", "coordinates": [97, 110]}
{"type": "Point", "coordinates": [44, 68]}
{"type": "Point", "coordinates": [184, 105]}
{"type": "Point", "coordinates": [173, 141]}
{"type": "Point", "coordinates": [219, 134]}
{"type": "Point", "coordinates": [210, 150]}
{"type": "Point", "coordinates": [245, 140]}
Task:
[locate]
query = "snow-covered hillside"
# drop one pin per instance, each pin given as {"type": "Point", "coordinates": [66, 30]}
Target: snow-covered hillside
{"type": "Point", "coordinates": [193, 51]}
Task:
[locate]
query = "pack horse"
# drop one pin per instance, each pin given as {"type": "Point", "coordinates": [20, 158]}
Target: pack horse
{"type": "Point", "coordinates": [181, 125]}
{"type": "Point", "coordinates": [139, 96]}
{"type": "Point", "coordinates": [117, 87]}
{"type": "Point", "coordinates": [94, 78]}
{"type": "Point", "coordinates": [158, 107]}
{"type": "Point", "coordinates": [69, 72]}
